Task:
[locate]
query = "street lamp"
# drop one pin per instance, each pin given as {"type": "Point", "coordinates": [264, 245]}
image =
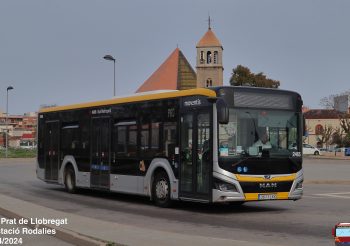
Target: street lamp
{"type": "Point", "coordinates": [111, 58]}
{"type": "Point", "coordinates": [7, 114]}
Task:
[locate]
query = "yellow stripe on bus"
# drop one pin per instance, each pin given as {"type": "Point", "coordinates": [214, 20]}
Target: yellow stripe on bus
{"type": "Point", "coordinates": [134, 98]}
{"type": "Point", "coordinates": [247, 178]}
{"type": "Point", "coordinates": [254, 196]}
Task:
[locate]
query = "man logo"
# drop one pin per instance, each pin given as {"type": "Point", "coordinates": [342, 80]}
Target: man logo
{"type": "Point", "coordinates": [267, 185]}
{"type": "Point", "coordinates": [267, 176]}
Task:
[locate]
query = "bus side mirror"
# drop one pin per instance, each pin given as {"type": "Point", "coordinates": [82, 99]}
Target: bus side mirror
{"type": "Point", "coordinates": [304, 127]}
{"type": "Point", "coordinates": [223, 111]}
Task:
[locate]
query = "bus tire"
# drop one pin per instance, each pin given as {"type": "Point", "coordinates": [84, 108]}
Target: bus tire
{"type": "Point", "coordinates": [69, 180]}
{"type": "Point", "coordinates": [161, 189]}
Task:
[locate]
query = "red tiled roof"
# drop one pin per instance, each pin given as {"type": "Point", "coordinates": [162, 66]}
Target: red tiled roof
{"type": "Point", "coordinates": [165, 77]}
{"type": "Point", "coordinates": [175, 73]}
{"type": "Point", "coordinates": [322, 114]}
{"type": "Point", "coordinates": [209, 39]}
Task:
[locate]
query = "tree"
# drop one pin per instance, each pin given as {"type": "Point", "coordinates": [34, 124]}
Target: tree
{"type": "Point", "coordinates": [328, 102]}
{"type": "Point", "coordinates": [243, 76]}
{"type": "Point", "coordinates": [325, 135]}
{"type": "Point", "coordinates": [345, 123]}
{"type": "Point", "coordinates": [337, 137]}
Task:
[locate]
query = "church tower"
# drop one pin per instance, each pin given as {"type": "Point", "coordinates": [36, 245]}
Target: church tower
{"type": "Point", "coordinates": [209, 60]}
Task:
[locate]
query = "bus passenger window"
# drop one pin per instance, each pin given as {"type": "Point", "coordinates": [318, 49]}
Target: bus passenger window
{"type": "Point", "coordinates": [126, 138]}
{"type": "Point", "coordinates": [145, 138]}
{"type": "Point", "coordinates": [169, 138]}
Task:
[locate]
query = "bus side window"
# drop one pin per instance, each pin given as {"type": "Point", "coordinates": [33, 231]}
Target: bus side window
{"type": "Point", "coordinates": [150, 139]}
{"type": "Point", "coordinates": [126, 138]}
{"type": "Point", "coordinates": [169, 138]}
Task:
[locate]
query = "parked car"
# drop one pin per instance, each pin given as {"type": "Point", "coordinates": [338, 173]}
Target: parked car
{"type": "Point", "coordinates": [310, 150]}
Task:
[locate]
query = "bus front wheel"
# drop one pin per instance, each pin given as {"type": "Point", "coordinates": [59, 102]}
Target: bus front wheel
{"type": "Point", "coordinates": [161, 190]}
{"type": "Point", "coordinates": [69, 180]}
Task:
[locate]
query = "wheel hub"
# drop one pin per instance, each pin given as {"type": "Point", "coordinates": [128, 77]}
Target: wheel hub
{"type": "Point", "coordinates": [162, 189]}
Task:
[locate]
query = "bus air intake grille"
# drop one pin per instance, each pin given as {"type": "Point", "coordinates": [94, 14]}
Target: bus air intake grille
{"type": "Point", "coordinates": [259, 187]}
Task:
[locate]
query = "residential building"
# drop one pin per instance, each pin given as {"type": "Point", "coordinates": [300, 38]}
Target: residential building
{"type": "Point", "coordinates": [316, 120]}
{"type": "Point", "coordinates": [20, 128]}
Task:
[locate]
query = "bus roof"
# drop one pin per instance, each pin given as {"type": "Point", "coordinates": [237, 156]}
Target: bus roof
{"type": "Point", "coordinates": [134, 98]}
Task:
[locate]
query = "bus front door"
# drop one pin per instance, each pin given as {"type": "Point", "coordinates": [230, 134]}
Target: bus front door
{"type": "Point", "coordinates": [195, 156]}
{"type": "Point", "coordinates": [100, 152]}
{"type": "Point", "coordinates": [51, 150]}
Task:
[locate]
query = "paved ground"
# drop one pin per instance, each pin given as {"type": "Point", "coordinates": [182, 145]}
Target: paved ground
{"type": "Point", "coordinates": [305, 222]}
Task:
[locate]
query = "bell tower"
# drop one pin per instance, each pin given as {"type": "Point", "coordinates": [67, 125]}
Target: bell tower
{"type": "Point", "coordinates": [209, 60]}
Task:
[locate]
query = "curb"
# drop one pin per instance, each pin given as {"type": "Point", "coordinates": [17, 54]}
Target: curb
{"type": "Point", "coordinates": [63, 234]}
{"type": "Point", "coordinates": [340, 158]}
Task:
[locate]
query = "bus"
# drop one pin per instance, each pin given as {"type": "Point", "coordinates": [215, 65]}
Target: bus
{"type": "Point", "coordinates": [190, 145]}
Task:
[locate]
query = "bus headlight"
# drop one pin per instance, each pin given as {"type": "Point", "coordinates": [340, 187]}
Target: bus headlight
{"type": "Point", "coordinates": [299, 185]}
{"type": "Point", "coordinates": [223, 186]}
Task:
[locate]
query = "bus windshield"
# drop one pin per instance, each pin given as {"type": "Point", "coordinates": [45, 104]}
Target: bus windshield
{"type": "Point", "coordinates": [254, 132]}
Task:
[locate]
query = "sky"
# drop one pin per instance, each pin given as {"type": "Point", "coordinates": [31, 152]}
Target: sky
{"type": "Point", "coordinates": [51, 52]}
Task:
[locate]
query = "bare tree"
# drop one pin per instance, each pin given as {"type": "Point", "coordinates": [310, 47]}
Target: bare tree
{"type": "Point", "coordinates": [325, 135]}
{"type": "Point", "coordinates": [328, 102]}
{"type": "Point", "coordinates": [345, 123]}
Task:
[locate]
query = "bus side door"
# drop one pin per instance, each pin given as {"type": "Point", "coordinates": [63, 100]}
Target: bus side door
{"type": "Point", "coordinates": [196, 157]}
{"type": "Point", "coordinates": [51, 150]}
{"type": "Point", "coordinates": [100, 152]}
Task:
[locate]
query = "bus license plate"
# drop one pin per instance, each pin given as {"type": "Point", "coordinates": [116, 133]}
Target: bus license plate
{"type": "Point", "coordinates": [267, 196]}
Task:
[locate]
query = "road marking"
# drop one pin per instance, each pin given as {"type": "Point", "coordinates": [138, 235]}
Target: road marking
{"type": "Point", "coordinates": [342, 195]}
{"type": "Point", "coordinates": [312, 196]}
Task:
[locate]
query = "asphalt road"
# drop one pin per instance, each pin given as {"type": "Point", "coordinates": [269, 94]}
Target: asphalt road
{"type": "Point", "coordinates": [308, 221]}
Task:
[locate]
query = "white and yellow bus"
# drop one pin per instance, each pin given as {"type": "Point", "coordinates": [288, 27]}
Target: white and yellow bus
{"type": "Point", "coordinates": [195, 145]}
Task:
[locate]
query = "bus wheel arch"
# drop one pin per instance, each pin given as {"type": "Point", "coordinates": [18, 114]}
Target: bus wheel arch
{"type": "Point", "coordinates": [161, 188]}
{"type": "Point", "coordinates": [69, 178]}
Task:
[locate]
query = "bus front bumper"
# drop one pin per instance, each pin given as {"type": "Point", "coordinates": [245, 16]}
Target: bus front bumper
{"type": "Point", "coordinates": [237, 195]}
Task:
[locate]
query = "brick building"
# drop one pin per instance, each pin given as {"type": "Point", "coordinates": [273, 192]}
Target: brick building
{"type": "Point", "coordinates": [20, 128]}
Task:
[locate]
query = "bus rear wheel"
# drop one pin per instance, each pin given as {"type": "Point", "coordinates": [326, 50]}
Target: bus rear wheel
{"type": "Point", "coordinates": [161, 190]}
{"type": "Point", "coordinates": [69, 180]}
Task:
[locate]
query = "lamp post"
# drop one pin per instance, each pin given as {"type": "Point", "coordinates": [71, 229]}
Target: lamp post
{"type": "Point", "coordinates": [111, 58]}
{"type": "Point", "coordinates": [7, 114]}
